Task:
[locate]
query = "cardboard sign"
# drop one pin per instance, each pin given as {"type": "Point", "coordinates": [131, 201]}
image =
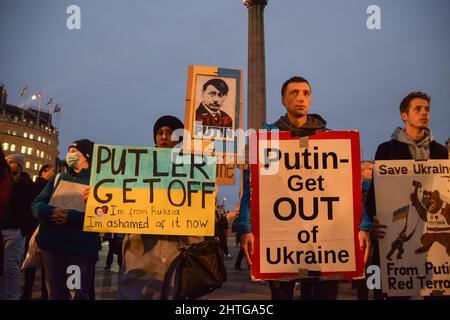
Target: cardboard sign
{"type": "Point", "coordinates": [68, 195]}
{"type": "Point", "coordinates": [413, 200]}
{"type": "Point", "coordinates": [213, 110]}
{"type": "Point", "coordinates": [225, 174]}
{"type": "Point", "coordinates": [151, 191]}
{"type": "Point", "coordinates": [305, 205]}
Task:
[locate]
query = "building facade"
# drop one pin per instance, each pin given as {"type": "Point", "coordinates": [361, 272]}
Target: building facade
{"type": "Point", "coordinates": [31, 133]}
{"type": "Point", "coordinates": [447, 144]}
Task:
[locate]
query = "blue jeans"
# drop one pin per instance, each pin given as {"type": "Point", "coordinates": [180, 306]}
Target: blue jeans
{"type": "Point", "coordinates": [14, 247]}
{"type": "Point", "coordinates": [56, 275]}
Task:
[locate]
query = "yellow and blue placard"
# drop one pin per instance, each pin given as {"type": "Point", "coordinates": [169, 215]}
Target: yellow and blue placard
{"type": "Point", "coordinates": [151, 191]}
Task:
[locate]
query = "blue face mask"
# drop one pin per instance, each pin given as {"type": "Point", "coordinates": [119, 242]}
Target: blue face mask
{"type": "Point", "coordinates": [72, 160]}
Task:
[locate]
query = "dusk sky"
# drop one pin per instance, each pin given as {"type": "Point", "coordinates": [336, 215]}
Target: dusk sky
{"type": "Point", "coordinates": [128, 63]}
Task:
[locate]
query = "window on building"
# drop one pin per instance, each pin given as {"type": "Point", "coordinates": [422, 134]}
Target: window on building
{"type": "Point", "coordinates": [27, 164]}
{"type": "Point", "coordinates": [23, 150]}
{"type": "Point", "coordinates": [25, 135]}
{"type": "Point", "coordinates": [5, 146]}
{"type": "Point", "coordinates": [43, 140]}
{"type": "Point", "coordinates": [31, 136]}
{"type": "Point", "coordinates": [13, 147]}
{"type": "Point", "coordinates": [37, 153]}
{"type": "Point", "coordinates": [14, 133]}
{"type": "Point", "coordinates": [42, 154]}
{"type": "Point", "coordinates": [39, 138]}
{"type": "Point", "coordinates": [34, 178]}
{"type": "Point", "coordinates": [36, 166]}
{"type": "Point", "coordinates": [30, 150]}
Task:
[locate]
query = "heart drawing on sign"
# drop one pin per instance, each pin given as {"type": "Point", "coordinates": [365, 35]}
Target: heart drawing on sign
{"type": "Point", "coordinates": [101, 211]}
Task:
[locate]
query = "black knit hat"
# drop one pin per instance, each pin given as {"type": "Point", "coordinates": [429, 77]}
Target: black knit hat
{"type": "Point", "coordinates": [85, 146]}
{"type": "Point", "coordinates": [167, 121]}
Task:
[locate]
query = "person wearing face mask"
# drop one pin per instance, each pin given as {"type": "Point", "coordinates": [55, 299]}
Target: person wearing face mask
{"type": "Point", "coordinates": [61, 236]}
{"type": "Point", "coordinates": [15, 224]}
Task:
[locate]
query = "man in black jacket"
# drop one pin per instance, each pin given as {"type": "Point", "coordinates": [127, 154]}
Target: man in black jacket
{"type": "Point", "coordinates": [413, 142]}
{"type": "Point", "coordinates": [15, 224]}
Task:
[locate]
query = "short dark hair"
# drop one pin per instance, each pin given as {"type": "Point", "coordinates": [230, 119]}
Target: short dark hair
{"type": "Point", "coordinates": [293, 79]}
{"type": "Point", "coordinates": [404, 105]}
{"type": "Point", "coordinates": [43, 168]}
{"type": "Point", "coordinates": [217, 83]}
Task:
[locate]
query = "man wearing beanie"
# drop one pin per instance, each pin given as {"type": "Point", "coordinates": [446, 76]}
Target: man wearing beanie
{"type": "Point", "coordinates": [171, 123]}
{"type": "Point", "coordinates": [61, 234]}
{"type": "Point", "coordinates": [15, 223]}
{"type": "Point", "coordinates": [17, 158]}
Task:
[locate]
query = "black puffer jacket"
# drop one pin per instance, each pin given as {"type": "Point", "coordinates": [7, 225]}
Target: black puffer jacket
{"type": "Point", "coordinates": [18, 210]}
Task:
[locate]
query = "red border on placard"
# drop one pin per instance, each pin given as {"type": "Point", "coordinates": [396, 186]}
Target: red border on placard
{"type": "Point", "coordinates": [353, 136]}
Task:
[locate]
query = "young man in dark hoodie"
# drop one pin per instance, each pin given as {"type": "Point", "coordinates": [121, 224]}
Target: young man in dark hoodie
{"type": "Point", "coordinates": [147, 257]}
{"type": "Point", "coordinates": [413, 142]}
{"type": "Point", "coordinates": [296, 98]}
{"type": "Point", "coordinates": [15, 224]}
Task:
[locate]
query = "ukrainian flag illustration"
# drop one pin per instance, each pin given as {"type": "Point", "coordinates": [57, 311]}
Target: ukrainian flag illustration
{"type": "Point", "coordinates": [400, 213]}
{"type": "Point", "coordinates": [151, 191]}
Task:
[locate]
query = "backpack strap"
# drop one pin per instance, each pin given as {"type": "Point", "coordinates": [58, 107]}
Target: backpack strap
{"type": "Point", "coordinates": [56, 181]}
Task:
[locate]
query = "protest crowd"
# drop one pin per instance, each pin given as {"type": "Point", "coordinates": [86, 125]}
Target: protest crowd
{"type": "Point", "coordinates": [37, 235]}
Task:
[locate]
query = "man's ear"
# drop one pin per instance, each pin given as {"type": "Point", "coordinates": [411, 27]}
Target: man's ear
{"type": "Point", "coordinates": [282, 101]}
{"type": "Point", "coordinates": [404, 116]}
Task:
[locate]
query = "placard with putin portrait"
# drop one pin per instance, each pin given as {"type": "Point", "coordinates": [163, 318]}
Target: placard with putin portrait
{"type": "Point", "coordinates": [214, 109]}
